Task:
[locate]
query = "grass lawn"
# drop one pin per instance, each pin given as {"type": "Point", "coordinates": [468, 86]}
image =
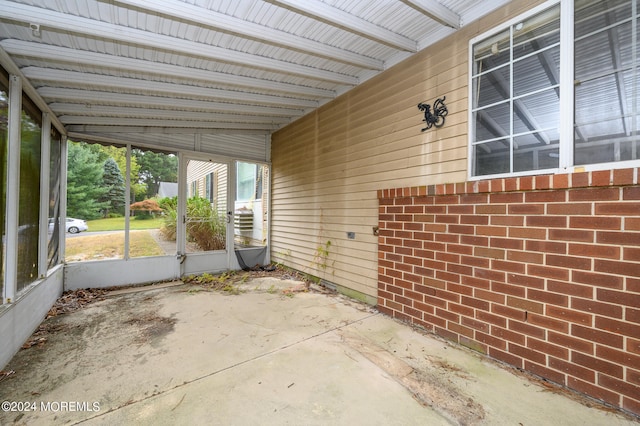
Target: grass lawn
{"type": "Point", "coordinates": [111, 246]}
{"type": "Point", "coordinates": [117, 223]}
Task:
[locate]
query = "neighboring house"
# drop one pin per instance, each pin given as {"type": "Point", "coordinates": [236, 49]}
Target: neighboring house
{"type": "Point", "coordinates": [168, 189]}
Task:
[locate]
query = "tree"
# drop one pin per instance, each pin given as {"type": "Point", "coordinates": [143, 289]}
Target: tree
{"type": "Point", "coordinates": [113, 183]}
{"type": "Point", "coordinates": [156, 168]}
{"type": "Point", "coordinates": [84, 183]}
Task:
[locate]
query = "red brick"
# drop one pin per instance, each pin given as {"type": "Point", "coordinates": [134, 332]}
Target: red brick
{"type": "Point", "coordinates": [525, 305]}
{"type": "Point", "coordinates": [623, 238]}
{"type": "Point", "coordinates": [548, 322]}
{"type": "Point", "coordinates": [508, 243]}
{"type": "Point", "coordinates": [474, 240]}
{"type": "Point", "coordinates": [560, 181]}
{"type": "Point", "coordinates": [572, 369]}
{"type": "Point", "coordinates": [615, 267]}
{"type": "Point", "coordinates": [475, 324]}
{"type": "Point", "coordinates": [632, 315]}
{"type": "Point", "coordinates": [460, 209]}
{"type": "Point", "coordinates": [507, 220]}
{"type": "Point", "coordinates": [593, 391]}
{"type": "Point", "coordinates": [619, 209]}
{"type": "Point", "coordinates": [632, 224]}
{"type": "Point", "coordinates": [594, 194]}
{"type": "Point", "coordinates": [547, 247]}
{"type": "Point", "coordinates": [618, 356]}
{"type": "Point", "coordinates": [503, 265]}
{"type": "Point", "coordinates": [489, 274]}
{"type": "Point", "coordinates": [581, 345]}
{"type": "Point", "coordinates": [512, 290]}
{"type": "Point", "coordinates": [475, 261]}
{"type": "Point", "coordinates": [594, 307]}
{"type": "Point", "coordinates": [547, 221]}
{"type": "Point", "coordinates": [570, 289]}
{"type": "Point", "coordinates": [474, 219]}
{"type": "Point", "coordinates": [548, 272]}
{"type": "Point", "coordinates": [496, 231]}
{"type": "Point", "coordinates": [506, 357]}
{"type": "Point", "coordinates": [571, 235]}
{"type": "Point", "coordinates": [525, 281]}
{"type": "Point", "coordinates": [595, 222]}
{"type": "Point", "coordinates": [490, 340]}
{"type": "Point", "coordinates": [489, 296]}
{"type": "Point", "coordinates": [542, 182]}
{"type": "Point", "coordinates": [594, 250]}
{"type": "Point", "coordinates": [508, 335]}
{"type": "Point", "coordinates": [475, 303]}
{"type": "Point", "coordinates": [461, 330]}
{"type": "Point", "coordinates": [489, 252]}
{"type": "Point", "coordinates": [569, 262]}
{"type": "Point", "coordinates": [623, 176]}
{"type": "Point", "coordinates": [525, 183]}
{"type": "Point", "coordinates": [506, 311]}
{"type": "Point", "coordinates": [548, 348]}
{"type": "Point", "coordinates": [527, 329]}
{"type": "Point", "coordinates": [632, 255]}
{"type": "Point", "coordinates": [620, 327]}
{"type": "Point", "coordinates": [491, 318]}
{"type": "Point", "coordinates": [526, 209]}
{"type": "Point", "coordinates": [434, 320]}
{"type": "Point", "coordinates": [601, 178]}
{"type": "Point", "coordinates": [572, 316]}
{"type": "Point", "coordinates": [600, 280]}
{"type": "Point", "coordinates": [579, 179]}
{"type": "Point", "coordinates": [547, 297]}
{"type": "Point", "coordinates": [570, 208]}
{"type": "Point", "coordinates": [598, 364]}
{"type": "Point", "coordinates": [528, 233]}
{"type": "Point", "coordinates": [506, 198]}
{"type": "Point", "coordinates": [633, 284]}
{"type": "Point", "coordinates": [527, 353]}
{"type": "Point", "coordinates": [619, 386]}
{"type": "Point", "coordinates": [525, 256]}
{"type": "Point", "coordinates": [491, 209]}
{"type": "Point", "coordinates": [545, 197]}
{"type": "Point", "coordinates": [597, 336]}
{"type": "Point", "coordinates": [462, 229]}
{"type": "Point", "coordinates": [511, 184]}
{"type": "Point", "coordinates": [631, 193]}
{"type": "Point", "coordinates": [619, 297]}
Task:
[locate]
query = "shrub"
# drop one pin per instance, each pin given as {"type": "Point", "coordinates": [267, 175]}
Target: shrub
{"type": "Point", "coordinates": [206, 227]}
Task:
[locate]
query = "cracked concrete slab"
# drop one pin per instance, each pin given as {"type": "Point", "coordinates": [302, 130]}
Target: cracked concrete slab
{"type": "Point", "coordinates": [184, 355]}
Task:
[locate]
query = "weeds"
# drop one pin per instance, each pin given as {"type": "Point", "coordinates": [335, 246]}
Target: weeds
{"type": "Point", "coordinates": [227, 282]}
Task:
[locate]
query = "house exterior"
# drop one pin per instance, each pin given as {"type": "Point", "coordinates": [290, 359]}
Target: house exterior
{"type": "Point", "coordinates": [522, 244]}
{"type": "Point", "coordinates": [510, 225]}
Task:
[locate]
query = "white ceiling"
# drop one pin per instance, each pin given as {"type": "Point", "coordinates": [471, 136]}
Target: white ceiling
{"type": "Point", "coordinates": [162, 71]}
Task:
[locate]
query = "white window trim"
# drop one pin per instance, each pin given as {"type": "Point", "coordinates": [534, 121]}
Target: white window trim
{"type": "Point", "coordinates": [566, 160]}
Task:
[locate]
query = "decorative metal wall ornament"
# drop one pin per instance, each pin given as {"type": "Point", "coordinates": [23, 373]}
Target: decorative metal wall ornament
{"type": "Point", "coordinates": [435, 118]}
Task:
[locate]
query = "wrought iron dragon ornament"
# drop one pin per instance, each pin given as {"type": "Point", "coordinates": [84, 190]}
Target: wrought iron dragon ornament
{"type": "Point", "coordinates": [435, 118]}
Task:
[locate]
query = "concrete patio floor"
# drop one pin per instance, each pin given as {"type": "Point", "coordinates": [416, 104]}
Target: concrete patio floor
{"type": "Point", "coordinates": [182, 355]}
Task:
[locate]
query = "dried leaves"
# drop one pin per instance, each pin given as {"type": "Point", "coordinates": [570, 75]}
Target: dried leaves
{"type": "Point", "coordinates": [71, 301]}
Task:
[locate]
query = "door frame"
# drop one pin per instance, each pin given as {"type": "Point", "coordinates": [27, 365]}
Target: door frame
{"type": "Point", "coordinates": [209, 261]}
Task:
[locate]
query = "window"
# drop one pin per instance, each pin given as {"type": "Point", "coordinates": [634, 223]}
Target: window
{"type": "Point", "coordinates": [246, 187]}
{"type": "Point", "coordinates": [210, 187]}
{"type": "Point", "coordinates": [515, 90]}
{"type": "Point", "coordinates": [28, 216]}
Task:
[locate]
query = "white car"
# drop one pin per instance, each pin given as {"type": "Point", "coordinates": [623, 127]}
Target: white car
{"type": "Point", "coordinates": [73, 225]}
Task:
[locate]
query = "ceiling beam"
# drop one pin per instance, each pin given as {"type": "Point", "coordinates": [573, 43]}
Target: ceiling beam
{"type": "Point", "coordinates": [93, 28]}
{"type": "Point", "coordinates": [436, 11]}
{"type": "Point", "coordinates": [230, 24]}
{"type": "Point", "coordinates": [344, 20]}
{"type": "Point", "coordinates": [163, 126]}
{"type": "Point", "coordinates": [94, 97]}
{"type": "Point", "coordinates": [56, 54]}
{"type": "Point", "coordinates": [68, 110]}
{"type": "Point", "coordinates": [150, 122]}
{"type": "Point", "coordinates": [67, 78]}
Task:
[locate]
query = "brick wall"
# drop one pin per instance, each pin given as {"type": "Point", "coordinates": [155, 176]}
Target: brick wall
{"type": "Point", "coordinates": [540, 272]}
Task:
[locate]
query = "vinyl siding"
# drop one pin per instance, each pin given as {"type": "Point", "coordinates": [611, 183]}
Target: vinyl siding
{"type": "Point", "coordinates": [328, 165]}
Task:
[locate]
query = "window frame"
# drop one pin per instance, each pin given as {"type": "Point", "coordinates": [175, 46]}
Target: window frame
{"type": "Point", "coordinates": [566, 103]}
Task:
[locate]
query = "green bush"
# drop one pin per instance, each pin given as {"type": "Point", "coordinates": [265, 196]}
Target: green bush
{"type": "Point", "coordinates": [206, 227]}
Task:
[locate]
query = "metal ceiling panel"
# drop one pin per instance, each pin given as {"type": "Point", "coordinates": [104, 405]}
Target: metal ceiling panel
{"type": "Point", "coordinates": [162, 73]}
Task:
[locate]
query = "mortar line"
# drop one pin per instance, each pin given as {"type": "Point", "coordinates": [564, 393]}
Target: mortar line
{"type": "Point", "coordinates": [229, 367]}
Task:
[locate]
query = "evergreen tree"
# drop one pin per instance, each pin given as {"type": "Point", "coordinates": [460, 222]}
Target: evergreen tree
{"type": "Point", "coordinates": [113, 183]}
{"type": "Point", "coordinates": [156, 168]}
{"type": "Point", "coordinates": [84, 183]}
